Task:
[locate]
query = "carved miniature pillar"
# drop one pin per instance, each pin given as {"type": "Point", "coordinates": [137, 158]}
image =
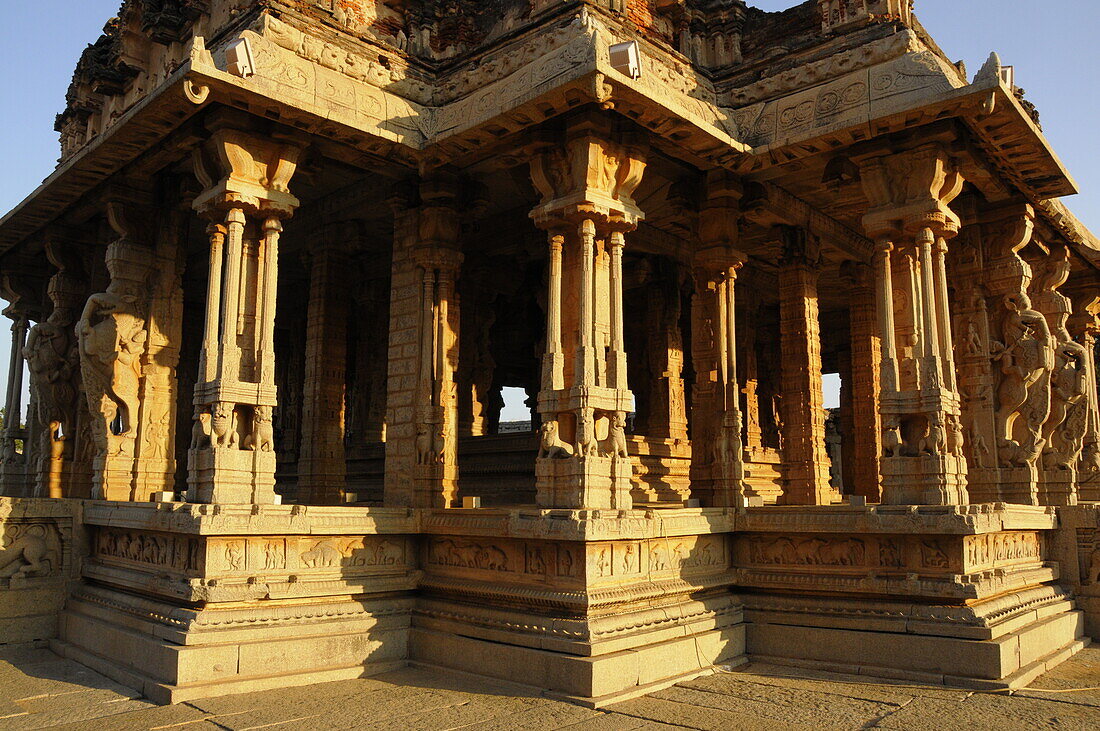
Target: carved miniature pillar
{"type": "Point", "coordinates": [232, 455]}
{"type": "Point", "coordinates": [865, 342]}
{"type": "Point", "coordinates": [322, 466]}
{"type": "Point", "coordinates": [805, 459]}
{"type": "Point", "coordinates": [717, 449]}
{"type": "Point", "coordinates": [909, 194]}
{"type": "Point", "coordinates": [13, 464]}
{"type": "Point", "coordinates": [586, 186]}
{"type": "Point", "coordinates": [553, 360]}
{"type": "Point", "coordinates": [1063, 432]}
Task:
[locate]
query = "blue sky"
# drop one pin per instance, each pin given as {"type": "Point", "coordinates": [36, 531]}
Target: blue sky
{"type": "Point", "coordinates": [1048, 42]}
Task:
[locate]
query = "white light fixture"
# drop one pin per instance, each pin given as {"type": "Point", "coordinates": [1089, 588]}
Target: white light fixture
{"type": "Point", "coordinates": [238, 58]}
{"type": "Point", "coordinates": [626, 58]}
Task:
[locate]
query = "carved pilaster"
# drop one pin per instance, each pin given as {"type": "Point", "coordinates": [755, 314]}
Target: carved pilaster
{"type": "Point", "coordinates": [865, 387]}
{"type": "Point", "coordinates": [246, 198]}
{"type": "Point", "coordinates": [805, 459]}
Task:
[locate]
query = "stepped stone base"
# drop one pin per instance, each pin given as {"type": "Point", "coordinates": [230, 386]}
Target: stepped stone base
{"type": "Point", "coordinates": [171, 658]}
{"type": "Point", "coordinates": [185, 601]}
{"type": "Point", "coordinates": [1000, 643]}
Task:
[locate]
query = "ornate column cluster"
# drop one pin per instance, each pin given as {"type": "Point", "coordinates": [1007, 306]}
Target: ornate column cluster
{"type": "Point", "coordinates": [805, 459]}
{"type": "Point", "coordinates": [718, 476]}
{"type": "Point", "coordinates": [438, 260]}
{"type": "Point", "coordinates": [587, 207]}
{"type": "Point", "coordinates": [909, 219]}
{"type": "Point", "coordinates": [322, 465]}
{"type": "Point", "coordinates": [246, 198]}
{"type": "Point", "coordinates": [113, 336]}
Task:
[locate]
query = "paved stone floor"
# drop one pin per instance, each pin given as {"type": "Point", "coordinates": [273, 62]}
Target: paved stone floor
{"type": "Point", "coordinates": [40, 690]}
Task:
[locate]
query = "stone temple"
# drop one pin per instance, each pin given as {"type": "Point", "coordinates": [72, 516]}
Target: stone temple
{"type": "Point", "coordinates": [295, 250]}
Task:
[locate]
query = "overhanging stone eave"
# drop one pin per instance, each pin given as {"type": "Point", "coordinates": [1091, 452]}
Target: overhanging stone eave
{"type": "Point", "coordinates": [1016, 144]}
{"type": "Point", "coordinates": [1046, 176]}
{"type": "Point", "coordinates": [673, 129]}
{"type": "Point", "coordinates": [151, 119]}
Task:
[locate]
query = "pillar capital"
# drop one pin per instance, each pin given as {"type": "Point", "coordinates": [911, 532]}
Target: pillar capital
{"type": "Point", "coordinates": [910, 191]}
{"type": "Point", "coordinates": [799, 246]}
{"type": "Point", "coordinates": [241, 170]}
{"type": "Point", "coordinates": [590, 174]}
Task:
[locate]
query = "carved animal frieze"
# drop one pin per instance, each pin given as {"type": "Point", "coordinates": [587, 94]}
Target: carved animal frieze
{"type": "Point", "coordinates": [166, 551]}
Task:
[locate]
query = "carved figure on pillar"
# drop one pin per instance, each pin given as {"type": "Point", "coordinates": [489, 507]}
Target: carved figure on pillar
{"type": "Point", "coordinates": [246, 198]}
{"type": "Point", "coordinates": [112, 337]}
{"type": "Point", "coordinates": [53, 360]}
{"type": "Point", "coordinates": [1063, 431]}
{"type": "Point", "coordinates": [586, 182]}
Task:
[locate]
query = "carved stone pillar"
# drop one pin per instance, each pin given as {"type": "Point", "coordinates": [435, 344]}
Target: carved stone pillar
{"type": "Point", "coordinates": [909, 193]}
{"type": "Point", "coordinates": [322, 466]}
{"type": "Point", "coordinates": [155, 458]}
{"type": "Point", "coordinates": [113, 336]}
{"type": "Point", "coordinates": [1063, 432]}
{"type": "Point", "coordinates": [422, 400]}
{"type": "Point", "coordinates": [667, 418]}
{"type": "Point", "coordinates": [1004, 353]}
{"type": "Point", "coordinates": [53, 360]}
{"type": "Point", "coordinates": [718, 473]}
{"type": "Point", "coordinates": [13, 464]}
{"type": "Point", "coordinates": [864, 385]}
{"type": "Point", "coordinates": [586, 186]}
{"type": "Point", "coordinates": [438, 261]}
{"type": "Point", "coordinates": [805, 459]}
{"type": "Point", "coordinates": [1085, 327]}
{"type": "Point", "coordinates": [246, 197]}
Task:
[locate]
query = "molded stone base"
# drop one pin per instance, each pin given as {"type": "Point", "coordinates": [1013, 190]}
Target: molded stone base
{"type": "Point", "coordinates": [919, 643]}
{"type": "Point", "coordinates": [171, 657]}
{"type": "Point", "coordinates": [592, 681]}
